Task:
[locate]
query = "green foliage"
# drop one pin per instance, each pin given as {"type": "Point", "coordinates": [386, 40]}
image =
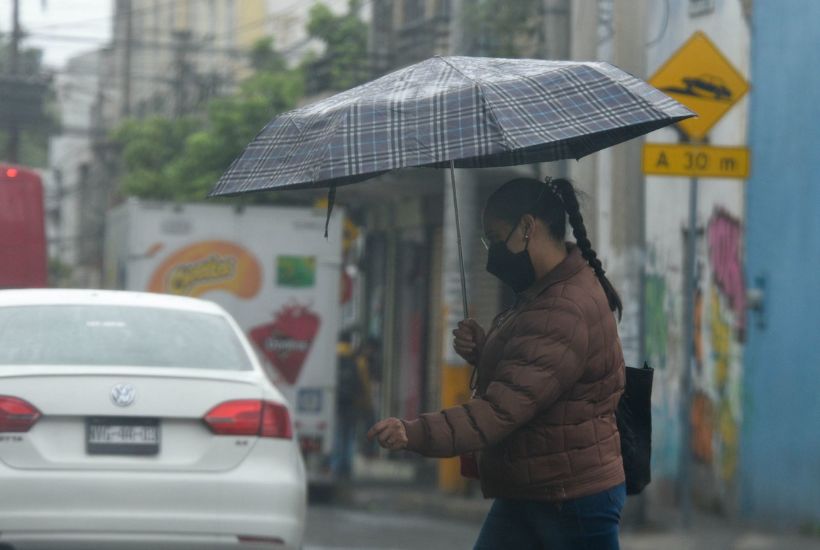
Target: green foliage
{"type": "Point", "coordinates": [344, 62]}
{"type": "Point", "coordinates": [29, 60]}
{"type": "Point", "coordinates": [34, 133]}
{"type": "Point", "coordinates": [500, 28]}
{"type": "Point", "coordinates": [59, 273]}
{"type": "Point", "coordinates": [33, 145]}
{"type": "Point", "coordinates": [265, 58]}
{"type": "Point", "coordinates": [182, 159]}
{"type": "Point", "coordinates": [149, 147]}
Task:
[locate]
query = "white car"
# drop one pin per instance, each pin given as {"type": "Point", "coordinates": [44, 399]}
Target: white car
{"type": "Point", "coordinates": [133, 420]}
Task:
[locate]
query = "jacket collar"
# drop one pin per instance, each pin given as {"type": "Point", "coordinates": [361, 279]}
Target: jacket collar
{"type": "Point", "coordinates": [571, 265]}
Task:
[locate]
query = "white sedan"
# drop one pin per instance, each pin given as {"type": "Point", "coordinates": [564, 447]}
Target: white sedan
{"type": "Point", "coordinates": [131, 420]}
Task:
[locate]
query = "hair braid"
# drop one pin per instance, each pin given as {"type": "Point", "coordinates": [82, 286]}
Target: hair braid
{"type": "Point", "coordinates": [568, 196]}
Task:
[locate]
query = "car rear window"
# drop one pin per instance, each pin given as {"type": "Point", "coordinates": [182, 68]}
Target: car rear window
{"type": "Point", "coordinates": [117, 336]}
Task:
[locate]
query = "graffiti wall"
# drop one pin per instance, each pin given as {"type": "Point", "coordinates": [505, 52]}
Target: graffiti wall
{"type": "Point", "coordinates": [662, 336]}
{"type": "Point", "coordinates": [717, 408]}
{"type": "Point", "coordinates": [714, 419]}
{"type": "Point", "coordinates": [719, 328]}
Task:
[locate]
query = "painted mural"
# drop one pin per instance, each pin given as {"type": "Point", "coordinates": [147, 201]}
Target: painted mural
{"type": "Point", "coordinates": [715, 415]}
{"type": "Point", "coordinates": [724, 319]}
{"type": "Point", "coordinates": [662, 353]}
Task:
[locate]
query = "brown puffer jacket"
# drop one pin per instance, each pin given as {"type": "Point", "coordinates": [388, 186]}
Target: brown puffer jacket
{"type": "Point", "coordinates": [550, 377]}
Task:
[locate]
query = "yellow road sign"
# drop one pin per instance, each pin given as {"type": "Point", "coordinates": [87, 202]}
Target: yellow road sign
{"type": "Point", "coordinates": [700, 77]}
{"type": "Point", "coordinates": [695, 161]}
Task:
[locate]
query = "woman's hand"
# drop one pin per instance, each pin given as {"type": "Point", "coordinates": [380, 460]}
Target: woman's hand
{"type": "Point", "coordinates": [469, 340]}
{"type": "Point", "coordinates": [390, 433]}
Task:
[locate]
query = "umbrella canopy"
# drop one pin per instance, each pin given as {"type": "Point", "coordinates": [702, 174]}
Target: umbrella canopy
{"type": "Point", "coordinates": [465, 112]}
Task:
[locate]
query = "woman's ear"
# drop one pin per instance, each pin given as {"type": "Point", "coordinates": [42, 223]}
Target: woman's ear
{"type": "Point", "coordinates": [528, 224]}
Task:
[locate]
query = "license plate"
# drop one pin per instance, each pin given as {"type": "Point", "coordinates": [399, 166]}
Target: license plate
{"type": "Point", "coordinates": [122, 436]}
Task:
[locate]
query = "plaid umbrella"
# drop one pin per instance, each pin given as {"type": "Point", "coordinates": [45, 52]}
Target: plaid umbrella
{"type": "Point", "coordinates": [457, 112]}
{"type": "Point", "coordinates": [476, 112]}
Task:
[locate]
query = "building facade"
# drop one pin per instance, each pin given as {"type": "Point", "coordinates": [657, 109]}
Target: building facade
{"type": "Point", "coordinates": [173, 56]}
{"type": "Point", "coordinates": [779, 441]}
{"type": "Point", "coordinates": [710, 466]}
{"type": "Point", "coordinates": [76, 201]}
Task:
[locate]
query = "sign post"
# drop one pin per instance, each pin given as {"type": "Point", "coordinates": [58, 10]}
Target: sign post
{"type": "Point", "coordinates": [699, 76]}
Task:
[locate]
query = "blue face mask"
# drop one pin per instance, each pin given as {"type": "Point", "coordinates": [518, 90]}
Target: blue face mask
{"type": "Point", "coordinates": [513, 269]}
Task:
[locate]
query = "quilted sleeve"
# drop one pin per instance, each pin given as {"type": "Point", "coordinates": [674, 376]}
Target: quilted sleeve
{"type": "Point", "coordinates": [545, 356]}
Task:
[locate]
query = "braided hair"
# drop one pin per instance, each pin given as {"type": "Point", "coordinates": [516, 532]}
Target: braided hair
{"type": "Point", "coordinates": [553, 202]}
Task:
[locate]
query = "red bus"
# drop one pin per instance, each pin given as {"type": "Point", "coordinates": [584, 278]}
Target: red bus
{"type": "Point", "coordinates": [23, 256]}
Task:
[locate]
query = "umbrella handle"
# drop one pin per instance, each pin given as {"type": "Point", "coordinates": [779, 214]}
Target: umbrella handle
{"type": "Point", "coordinates": [458, 236]}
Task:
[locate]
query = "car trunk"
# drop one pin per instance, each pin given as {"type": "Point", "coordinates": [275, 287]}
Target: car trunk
{"type": "Point", "coordinates": [82, 426]}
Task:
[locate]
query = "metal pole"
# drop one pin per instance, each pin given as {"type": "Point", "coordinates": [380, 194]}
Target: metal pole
{"type": "Point", "coordinates": [685, 481]}
{"type": "Point", "coordinates": [458, 235]}
{"type": "Point", "coordinates": [127, 9]}
{"type": "Point", "coordinates": [14, 50]}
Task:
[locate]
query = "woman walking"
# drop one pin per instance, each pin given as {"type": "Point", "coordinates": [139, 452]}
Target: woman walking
{"type": "Point", "coordinates": [550, 372]}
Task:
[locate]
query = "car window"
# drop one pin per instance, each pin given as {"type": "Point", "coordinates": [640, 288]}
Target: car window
{"type": "Point", "coordinates": [118, 335]}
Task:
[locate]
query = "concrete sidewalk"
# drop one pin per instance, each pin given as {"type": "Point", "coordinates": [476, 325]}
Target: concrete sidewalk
{"type": "Point", "coordinates": [708, 532]}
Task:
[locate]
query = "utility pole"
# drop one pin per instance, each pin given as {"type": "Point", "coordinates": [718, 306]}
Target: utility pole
{"type": "Point", "coordinates": [555, 28]}
{"type": "Point", "coordinates": [555, 45]}
{"type": "Point", "coordinates": [628, 196]}
{"type": "Point", "coordinates": [628, 238]}
{"type": "Point", "coordinates": [182, 41]}
{"type": "Point", "coordinates": [14, 52]}
{"type": "Point", "coordinates": [584, 47]}
{"type": "Point", "coordinates": [125, 9]}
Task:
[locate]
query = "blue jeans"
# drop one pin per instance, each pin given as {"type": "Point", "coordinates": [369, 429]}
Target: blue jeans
{"type": "Point", "coordinates": [586, 523]}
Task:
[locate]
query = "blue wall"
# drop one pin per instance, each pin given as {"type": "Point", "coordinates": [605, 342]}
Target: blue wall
{"type": "Point", "coordinates": [780, 458]}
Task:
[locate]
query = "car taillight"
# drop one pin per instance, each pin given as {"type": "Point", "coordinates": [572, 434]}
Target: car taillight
{"type": "Point", "coordinates": [17, 415]}
{"type": "Point", "coordinates": [276, 421]}
{"type": "Point", "coordinates": [250, 417]}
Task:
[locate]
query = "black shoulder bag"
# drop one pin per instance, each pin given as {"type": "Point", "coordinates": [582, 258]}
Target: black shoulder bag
{"type": "Point", "coordinates": [634, 417]}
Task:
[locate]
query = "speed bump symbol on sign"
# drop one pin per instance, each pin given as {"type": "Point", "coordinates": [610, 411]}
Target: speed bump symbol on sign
{"type": "Point", "coordinates": [700, 77]}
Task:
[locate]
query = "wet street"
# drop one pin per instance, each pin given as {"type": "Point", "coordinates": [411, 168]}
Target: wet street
{"type": "Point", "coordinates": [336, 528]}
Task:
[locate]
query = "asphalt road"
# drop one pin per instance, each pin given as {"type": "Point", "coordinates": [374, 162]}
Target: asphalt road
{"type": "Point", "coordinates": [334, 528]}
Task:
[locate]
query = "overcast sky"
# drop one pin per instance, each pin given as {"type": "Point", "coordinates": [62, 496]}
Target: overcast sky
{"type": "Point", "coordinates": [48, 21]}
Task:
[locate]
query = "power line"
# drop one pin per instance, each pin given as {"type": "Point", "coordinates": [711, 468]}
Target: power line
{"type": "Point", "coordinates": [80, 22]}
{"type": "Point", "coordinates": [136, 76]}
{"type": "Point", "coordinates": [149, 44]}
{"type": "Point", "coordinates": [157, 44]}
{"type": "Point", "coordinates": [264, 19]}
{"type": "Point", "coordinates": [136, 43]}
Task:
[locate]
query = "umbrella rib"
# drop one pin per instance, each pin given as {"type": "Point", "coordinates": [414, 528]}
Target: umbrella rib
{"type": "Point", "coordinates": [507, 140]}
{"type": "Point", "coordinates": [456, 69]}
{"type": "Point", "coordinates": [341, 116]}
{"type": "Point", "coordinates": [628, 89]}
{"type": "Point", "coordinates": [487, 104]}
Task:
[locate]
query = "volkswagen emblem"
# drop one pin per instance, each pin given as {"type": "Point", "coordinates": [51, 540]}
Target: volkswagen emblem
{"type": "Point", "coordinates": [123, 394]}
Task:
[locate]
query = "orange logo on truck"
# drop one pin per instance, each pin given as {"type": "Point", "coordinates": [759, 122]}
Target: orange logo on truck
{"type": "Point", "coordinates": [208, 266]}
